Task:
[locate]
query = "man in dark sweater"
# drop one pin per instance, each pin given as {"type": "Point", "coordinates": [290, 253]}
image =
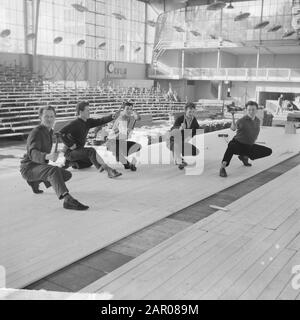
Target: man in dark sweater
{"type": "Point", "coordinates": [184, 128]}
{"type": "Point", "coordinates": [74, 137]}
{"type": "Point", "coordinates": [35, 168]}
{"type": "Point", "coordinates": [243, 144]}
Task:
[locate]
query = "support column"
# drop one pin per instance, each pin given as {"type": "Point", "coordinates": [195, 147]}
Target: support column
{"type": "Point", "coordinates": [219, 59]}
{"type": "Point", "coordinates": [257, 60]}
{"type": "Point", "coordinates": [36, 6]}
{"type": "Point", "coordinates": [184, 41]}
{"type": "Point", "coordinates": [220, 85]}
{"type": "Point", "coordinates": [146, 33]}
{"type": "Point", "coordinates": [220, 89]}
{"type": "Point", "coordinates": [257, 96]}
{"type": "Point", "coordinates": [257, 57]}
{"type": "Point", "coordinates": [182, 63]}
{"type": "Point", "coordinates": [25, 12]}
{"type": "Point", "coordinates": [218, 68]}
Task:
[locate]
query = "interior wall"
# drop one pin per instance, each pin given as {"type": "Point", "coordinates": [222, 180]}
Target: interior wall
{"type": "Point", "coordinates": [177, 85]}
{"type": "Point", "coordinates": [205, 90]}
{"type": "Point", "coordinates": [201, 60]}
{"type": "Point", "coordinates": [68, 69]}
{"type": "Point", "coordinates": [244, 91]}
{"type": "Point", "coordinates": [7, 58]}
{"type": "Point", "coordinates": [269, 61]}
{"type": "Point", "coordinates": [171, 58]}
{"type": "Point", "coordinates": [193, 92]}
{"type": "Point", "coordinates": [60, 69]}
{"type": "Point", "coordinates": [228, 60]}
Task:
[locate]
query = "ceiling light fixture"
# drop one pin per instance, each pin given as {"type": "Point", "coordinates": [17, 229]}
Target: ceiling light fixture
{"type": "Point", "coordinates": [5, 33]}
{"type": "Point", "coordinates": [261, 25]}
{"type": "Point", "coordinates": [217, 5]}
{"type": "Point", "coordinates": [80, 7]}
{"type": "Point", "coordinates": [242, 16]}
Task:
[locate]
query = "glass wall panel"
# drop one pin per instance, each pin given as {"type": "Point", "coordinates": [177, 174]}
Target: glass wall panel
{"type": "Point", "coordinates": [12, 18]}
{"type": "Point", "coordinates": [111, 29]}
{"type": "Point", "coordinates": [197, 24]}
{"type": "Point", "coordinates": [108, 30]}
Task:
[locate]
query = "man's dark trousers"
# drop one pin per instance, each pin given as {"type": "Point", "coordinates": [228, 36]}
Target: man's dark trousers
{"type": "Point", "coordinates": [253, 152]}
{"type": "Point", "coordinates": [50, 175]}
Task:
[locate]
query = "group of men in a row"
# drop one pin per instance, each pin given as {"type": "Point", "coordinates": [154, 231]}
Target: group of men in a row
{"type": "Point", "coordinates": [35, 167]}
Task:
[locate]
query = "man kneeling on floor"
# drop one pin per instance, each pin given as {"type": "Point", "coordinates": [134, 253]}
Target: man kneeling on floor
{"type": "Point", "coordinates": [35, 168]}
{"type": "Point", "coordinates": [243, 144]}
{"type": "Point", "coordinates": [74, 137]}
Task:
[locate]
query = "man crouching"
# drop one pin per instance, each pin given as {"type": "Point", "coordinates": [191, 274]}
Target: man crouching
{"type": "Point", "coordinates": [74, 137]}
{"type": "Point", "coordinates": [35, 168]}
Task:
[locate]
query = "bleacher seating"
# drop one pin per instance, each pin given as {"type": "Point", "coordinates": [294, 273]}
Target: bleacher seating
{"type": "Point", "coordinates": [22, 93]}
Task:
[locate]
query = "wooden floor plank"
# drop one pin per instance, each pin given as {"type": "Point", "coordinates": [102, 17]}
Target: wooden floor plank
{"type": "Point", "coordinates": [243, 259]}
{"type": "Point", "coordinates": [40, 239]}
{"type": "Point", "coordinates": [295, 243]}
{"type": "Point", "coordinates": [288, 293]}
{"type": "Point", "coordinates": [185, 264]}
{"type": "Point", "coordinates": [259, 265]}
{"type": "Point", "coordinates": [266, 277]}
{"type": "Point", "coordinates": [280, 281]}
{"type": "Point", "coordinates": [191, 286]}
{"type": "Point", "coordinates": [203, 283]}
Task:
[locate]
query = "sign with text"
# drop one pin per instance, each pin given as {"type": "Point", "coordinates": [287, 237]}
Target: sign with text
{"type": "Point", "coordinates": [114, 70]}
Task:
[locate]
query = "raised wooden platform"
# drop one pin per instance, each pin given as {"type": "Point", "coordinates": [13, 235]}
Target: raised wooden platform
{"type": "Point", "coordinates": [247, 252]}
{"type": "Point", "coordinates": [38, 237]}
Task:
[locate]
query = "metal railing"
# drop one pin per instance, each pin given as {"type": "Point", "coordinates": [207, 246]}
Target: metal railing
{"type": "Point", "coordinates": [229, 74]}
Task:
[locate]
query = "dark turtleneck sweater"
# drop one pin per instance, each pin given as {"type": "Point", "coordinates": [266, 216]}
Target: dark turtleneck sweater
{"type": "Point", "coordinates": [76, 131]}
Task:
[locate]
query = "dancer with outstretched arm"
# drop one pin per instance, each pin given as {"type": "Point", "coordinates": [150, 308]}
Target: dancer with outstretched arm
{"type": "Point", "coordinates": [74, 137]}
{"type": "Point", "coordinates": [243, 143]}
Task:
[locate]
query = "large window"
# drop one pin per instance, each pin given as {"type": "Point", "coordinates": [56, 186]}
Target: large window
{"type": "Point", "coordinates": [59, 19]}
{"type": "Point", "coordinates": [12, 19]}
{"type": "Point", "coordinates": [109, 30]}
{"type": "Point", "coordinates": [199, 24]}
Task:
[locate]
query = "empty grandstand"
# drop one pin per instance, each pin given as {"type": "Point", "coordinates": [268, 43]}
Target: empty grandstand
{"type": "Point", "coordinates": [175, 78]}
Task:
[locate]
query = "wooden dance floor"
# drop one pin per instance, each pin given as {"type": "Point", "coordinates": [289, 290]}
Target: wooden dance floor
{"type": "Point", "coordinates": [38, 237]}
{"type": "Point", "coordinates": [247, 252]}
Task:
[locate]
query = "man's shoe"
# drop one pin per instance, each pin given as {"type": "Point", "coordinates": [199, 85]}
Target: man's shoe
{"type": "Point", "coordinates": [112, 173]}
{"type": "Point", "coordinates": [66, 165]}
{"type": "Point", "coordinates": [73, 204]}
{"type": "Point", "coordinates": [101, 169]}
{"type": "Point", "coordinates": [127, 166]}
{"type": "Point", "coordinates": [132, 167]}
{"type": "Point", "coordinates": [72, 164]}
{"type": "Point", "coordinates": [182, 165]}
{"type": "Point", "coordinates": [244, 159]}
{"type": "Point", "coordinates": [223, 173]}
{"type": "Point", "coordinates": [35, 186]}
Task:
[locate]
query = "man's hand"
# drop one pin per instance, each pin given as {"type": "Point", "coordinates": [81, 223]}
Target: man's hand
{"type": "Point", "coordinates": [52, 156]}
{"type": "Point", "coordinates": [73, 147]}
{"type": "Point", "coordinates": [183, 126]}
{"type": "Point", "coordinates": [117, 113]}
{"type": "Point", "coordinates": [233, 124]}
{"type": "Point", "coordinates": [136, 115]}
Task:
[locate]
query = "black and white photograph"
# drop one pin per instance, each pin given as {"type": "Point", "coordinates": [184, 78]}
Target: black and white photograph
{"type": "Point", "coordinates": [149, 151]}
